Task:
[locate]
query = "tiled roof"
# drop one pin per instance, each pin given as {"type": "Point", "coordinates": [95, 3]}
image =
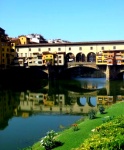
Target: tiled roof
{"type": "Point", "coordinates": [74, 43]}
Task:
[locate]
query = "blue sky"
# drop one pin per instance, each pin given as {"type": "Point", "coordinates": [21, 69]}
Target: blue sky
{"type": "Point", "coordinates": [72, 20]}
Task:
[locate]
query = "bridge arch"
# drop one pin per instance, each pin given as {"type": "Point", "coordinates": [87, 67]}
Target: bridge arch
{"type": "Point", "coordinates": [91, 57]}
{"type": "Point", "coordinates": [80, 57]}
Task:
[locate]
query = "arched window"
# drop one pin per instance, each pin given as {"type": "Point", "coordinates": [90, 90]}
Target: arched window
{"type": "Point", "coordinates": [91, 57]}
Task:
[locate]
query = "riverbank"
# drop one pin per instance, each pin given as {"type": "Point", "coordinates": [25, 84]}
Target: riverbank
{"type": "Point", "coordinates": [73, 139]}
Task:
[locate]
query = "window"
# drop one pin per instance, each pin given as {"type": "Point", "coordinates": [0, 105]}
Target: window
{"type": "Point", "coordinates": [12, 50]}
{"type": "Point", "coordinates": [59, 56]}
{"type": "Point", "coordinates": [59, 49]}
{"type": "Point", "coordinates": [17, 50]}
{"type": "Point", "coordinates": [3, 60]}
{"type": "Point", "coordinates": [39, 57]}
{"type": "Point", "coordinates": [39, 49]}
{"type": "Point", "coordinates": [39, 62]}
{"type": "Point", "coordinates": [3, 55]}
{"type": "Point", "coordinates": [69, 48]}
{"type": "Point", "coordinates": [7, 55]}
{"type": "Point", "coordinates": [114, 47]}
{"type": "Point", "coordinates": [7, 50]}
{"type": "Point", "coordinates": [49, 49]}
{"type": "Point", "coordinates": [60, 97]}
{"type": "Point", "coordinates": [80, 48]}
{"type": "Point", "coordinates": [102, 48]}
{"type": "Point", "coordinates": [91, 48]}
{"type": "Point", "coordinates": [60, 61]}
{"type": "Point", "coordinates": [29, 49]}
{"type": "Point", "coordinates": [2, 49]}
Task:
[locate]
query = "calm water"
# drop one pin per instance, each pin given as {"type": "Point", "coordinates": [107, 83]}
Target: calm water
{"type": "Point", "coordinates": [26, 115]}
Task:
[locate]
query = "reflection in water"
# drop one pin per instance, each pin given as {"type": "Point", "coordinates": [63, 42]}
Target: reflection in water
{"type": "Point", "coordinates": [60, 100]}
{"type": "Point", "coordinates": [56, 99]}
{"type": "Point", "coordinates": [8, 105]}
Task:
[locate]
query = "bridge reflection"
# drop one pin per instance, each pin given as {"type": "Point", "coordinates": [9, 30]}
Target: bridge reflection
{"type": "Point", "coordinates": [61, 100]}
{"type": "Point", "coordinates": [60, 103]}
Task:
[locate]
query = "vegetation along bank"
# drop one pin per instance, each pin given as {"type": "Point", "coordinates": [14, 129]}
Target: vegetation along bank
{"type": "Point", "coordinates": [102, 130]}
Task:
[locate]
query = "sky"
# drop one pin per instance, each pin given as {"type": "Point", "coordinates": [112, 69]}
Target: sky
{"type": "Point", "coordinates": [71, 20]}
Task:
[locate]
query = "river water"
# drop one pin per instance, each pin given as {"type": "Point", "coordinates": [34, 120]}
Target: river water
{"type": "Point", "coordinates": [27, 114]}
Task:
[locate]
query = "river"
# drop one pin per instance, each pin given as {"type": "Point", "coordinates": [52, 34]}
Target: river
{"type": "Point", "coordinates": [27, 114]}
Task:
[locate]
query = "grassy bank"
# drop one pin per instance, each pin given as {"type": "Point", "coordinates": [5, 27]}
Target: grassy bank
{"type": "Point", "coordinates": [72, 139]}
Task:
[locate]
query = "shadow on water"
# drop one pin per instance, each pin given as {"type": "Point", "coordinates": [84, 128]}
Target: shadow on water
{"type": "Point", "coordinates": [21, 78]}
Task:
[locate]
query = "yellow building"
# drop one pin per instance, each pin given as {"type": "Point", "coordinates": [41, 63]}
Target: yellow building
{"type": "Point", "coordinates": [110, 57]}
{"type": "Point", "coordinates": [104, 100]}
{"type": "Point", "coordinates": [14, 42]}
{"type": "Point", "coordinates": [23, 40]}
{"type": "Point", "coordinates": [48, 58]}
{"type": "Point", "coordinates": [5, 50]}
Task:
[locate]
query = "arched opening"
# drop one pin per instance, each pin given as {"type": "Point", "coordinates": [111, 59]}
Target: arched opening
{"type": "Point", "coordinates": [70, 57]}
{"type": "Point", "coordinates": [80, 57]}
{"type": "Point", "coordinates": [91, 57]}
{"type": "Point", "coordinates": [92, 101]}
{"type": "Point", "coordinates": [81, 101]}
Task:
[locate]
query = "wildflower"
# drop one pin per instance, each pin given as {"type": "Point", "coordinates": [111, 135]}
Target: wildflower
{"type": "Point", "coordinates": [75, 127]}
{"type": "Point", "coordinates": [93, 130]}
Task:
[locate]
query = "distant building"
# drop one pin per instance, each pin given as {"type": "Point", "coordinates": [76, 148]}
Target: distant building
{"type": "Point", "coordinates": [36, 38]}
{"type": "Point", "coordinates": [57, 41]}
{"type": "Point", "coordinates": [6, 56]}
{"type": "Point", "coordinates": [24, 40]}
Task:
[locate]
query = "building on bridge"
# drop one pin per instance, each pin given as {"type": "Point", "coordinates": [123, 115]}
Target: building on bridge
{"type": "Point", "coordinates": [101, 53]}
{"type": "Point", "coordinates": [110, 57]}
{"type": "Point", "coordinates": [75, 51]}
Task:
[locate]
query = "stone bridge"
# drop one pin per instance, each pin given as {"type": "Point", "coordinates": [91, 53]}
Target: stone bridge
{"type": "Point", "coordinates": [112, 72]}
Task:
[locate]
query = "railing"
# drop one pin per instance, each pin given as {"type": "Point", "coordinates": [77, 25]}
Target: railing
{"type": "Point", "coordinates": [81, 63]}
{"type": "Point", "coordinates": [74, 64]}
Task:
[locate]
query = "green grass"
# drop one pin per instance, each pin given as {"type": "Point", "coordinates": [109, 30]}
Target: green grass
{"type": "Point", "coordinates": [73, 139]}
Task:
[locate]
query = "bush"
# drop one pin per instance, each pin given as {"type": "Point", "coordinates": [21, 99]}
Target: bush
{"type": "Point", "coordinates": [75, 127]}
{"type": "Point", "coordinates": [101, 109]}
{"type": "Point", "coordinates": [49, 142]}
{"type": "Point", "coordinates": [108, 136]}
{"type": "Point", "coordinates": [92, 114]}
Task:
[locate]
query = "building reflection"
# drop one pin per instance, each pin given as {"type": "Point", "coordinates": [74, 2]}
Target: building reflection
{"type": "Point", "coordinates": [57, 103]}
{"type": "Point", "coordinates": [26, 103]}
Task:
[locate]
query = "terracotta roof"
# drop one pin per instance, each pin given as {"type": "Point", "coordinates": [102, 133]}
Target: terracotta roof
{"type": "Point", "coordinates": [14, 39]}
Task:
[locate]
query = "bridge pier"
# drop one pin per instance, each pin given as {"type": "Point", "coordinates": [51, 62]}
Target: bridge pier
{"type": "Point", "coordinates": [111, 72]}
{"type": "Point", "coordinates": [54, 72]}
{"type": "Point", "coordinates": [123, 76]}
{"type": "Point", "coordinates": [107, 72]}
